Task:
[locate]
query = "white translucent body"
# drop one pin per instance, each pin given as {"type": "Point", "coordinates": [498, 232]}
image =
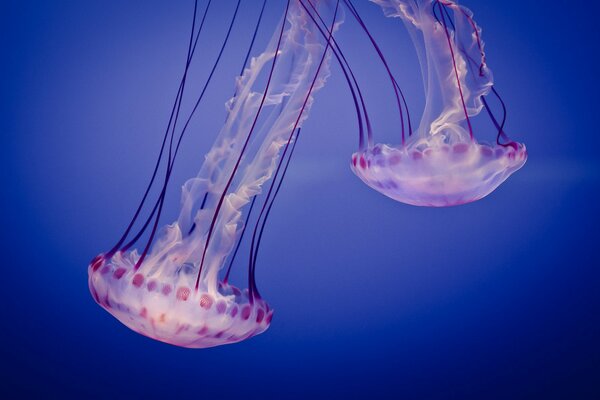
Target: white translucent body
{"type": "Point", "coordinates": [438, 176]}
{"type": "Point", "coordinates": [173, 312]}
{"type": "Point", "coordinates": [441, 164]}
{"type": "Point", "coordinates": [175, 256]}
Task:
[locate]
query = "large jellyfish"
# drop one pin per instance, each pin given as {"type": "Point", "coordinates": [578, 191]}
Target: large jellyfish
{"type": "Point", "coordinates": [441, 163]}
{"type": "Point", "coordinates": [172, 290]}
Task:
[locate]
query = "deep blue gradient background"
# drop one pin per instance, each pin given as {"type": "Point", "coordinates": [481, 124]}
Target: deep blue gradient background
{"type": "Point", "coordinates": [374, 299]}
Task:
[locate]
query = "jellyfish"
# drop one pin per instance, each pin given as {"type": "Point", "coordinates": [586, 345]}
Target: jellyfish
{"type": "Point", "coordinates": [173, 289]}
{"type": "Point", "coordinates": [440, 163]}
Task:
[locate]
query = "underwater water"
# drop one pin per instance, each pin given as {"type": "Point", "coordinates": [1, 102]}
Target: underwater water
{"type": "Point", "coordinates": [495, 299]}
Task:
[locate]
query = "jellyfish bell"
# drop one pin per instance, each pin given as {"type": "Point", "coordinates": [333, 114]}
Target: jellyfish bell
{"type": "Point", "coordinates": [163, 304]}
{"type": "Point", "coordinates": [173, 289]}
{"type": "Point", "coordinates": [442, 163]}
{"type": "Point", "coordinates": [434, 174]}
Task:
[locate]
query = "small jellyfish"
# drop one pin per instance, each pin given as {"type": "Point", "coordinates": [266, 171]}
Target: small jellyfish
{"type": "Point", "coordinates": [441, 163]}
{"type": "Point", "coordinates": [173, 290]}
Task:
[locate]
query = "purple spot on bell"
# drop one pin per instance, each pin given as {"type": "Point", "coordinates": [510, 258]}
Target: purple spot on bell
{"type": "Point", "coordinates": [417, 155]}
{"type": "Point", "coordinates": [395, 159]}
{"type": "Point", "coordinates": [221, 307]}
{"type": "Point", "coordinates": [363, 163]}
{"type": "Point", "coordinates": [460, 148]}
{"type": "Point", "coordinates": [206, 301]}
{"type": "Point", "coordinates": [246, 312]}
{"type": "Point", "coordinates": [487, 151]}
{"type": "Point", "coordinates": [118, 274]}
{"type": "Point", "coordinates": [260, 315]}
{"type": "Point", "coordinates": [152, 285]}
{"type": "Point", "coordinates": [138, 280]}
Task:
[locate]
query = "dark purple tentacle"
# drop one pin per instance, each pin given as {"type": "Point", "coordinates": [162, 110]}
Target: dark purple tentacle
{"type": "Point", "coordinates": [343, 62]}
{"type": "Point", "coordinates": [251, 266]}
{"type": "Point", "coordinates": [237, 164]}
{"type": "Point", "coordinates": [237, 247]}
{"type": "Point", "coordinates": [172, 162]}
{"type": "Point", "coordinates": [166, 134]}
{"type": "Point", "coordinates": [449, 39]}
{"type": "Point", "coordinates": [239, 243]}
{"type": "Point", "coordinates": [264, 222]}
{"type": "Point", "coordinates": [397, 91]}
{"type": "Point", "coordinates": [481, 66]}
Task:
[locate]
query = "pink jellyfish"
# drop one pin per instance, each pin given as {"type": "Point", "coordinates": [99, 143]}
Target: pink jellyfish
{"type": "Point", "coordinates": [441, 163]}
{"type": "Point", "coordinates": [172, 291]}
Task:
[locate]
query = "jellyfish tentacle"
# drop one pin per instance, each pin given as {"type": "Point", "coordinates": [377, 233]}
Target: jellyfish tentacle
{"type": "Point", "coordinates": [268, 212]}
{"type": "Point", "coordinates": [397, 91]}
{"type": "Point", "coordinates": [260, 16]}
{"type": "Point", "coordinates": [181, 135]}
{"type": "Point", "coordinates": [239, 242]}
{"type": "Point", "coordinates": [458, 82]}
{"type": "Point", "coordinates": [481, 65]}
{"type": "Point", "coordinates": [473, 25]}
{"type": "Point", "coordinates": [343, 62]}
{"type": "Point", "coordinates": [253, 249]}
{"type": "Point", "coordinates": [189, 57]}
{"type": "Point", "coordinates": [501, 132]}
{"type": "Point", "coordinates": [236, 166]}
{"type": "Point", "coordinates": [226, 278]}
{"type": "Point", "coordinates": [248, 52]}
{"type": "Point", "coordinates": [499, 126]}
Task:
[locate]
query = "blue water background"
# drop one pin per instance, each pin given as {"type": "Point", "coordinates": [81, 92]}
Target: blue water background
{"type": "Point", "coordinates": [497, 299]}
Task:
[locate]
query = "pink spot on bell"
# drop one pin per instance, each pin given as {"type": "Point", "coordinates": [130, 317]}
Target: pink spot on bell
{"type": "Point", "coordinates": [417, 155]}
{"type": "Point", "coordinates": [105, 270]}
{"type": "Point", "coordinates": [460, 148]}
{"type": "Point", "coordinates": [390, 184]}
{"type": "Point", "coordinates": [221, 307]}
{"type": "Point", "coordinates": [394, 160]}
{"type": "Point", "coordinates": [138, 280]}
{"type": "Point", "coordinates": [183, 293]}
{"type": "Point", "coordinates": [246, 312]}
{"type": "Point", "coordinates": [206, 301]}
{"type": "Point", "coordinates": [97, 262]}
{"type": "Point", "coordinates": [144, 312]}
{"type": "Point", "coordinates": [152, 285]}
{"type": "Point", "coordinates": [260, 315]}
{"type": "Point", "coordinates": [203, 331]}
{"type": "Point", "coordinates": [166, 289]}
{"type": "Point", "coordinates": [487, 151]}
{"type": "Point", "coordinates": [363, 163]}
{"type": "Point", "coordinates": [234, 311]}
{"type": "Point", "coordinates": [118, 274]}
